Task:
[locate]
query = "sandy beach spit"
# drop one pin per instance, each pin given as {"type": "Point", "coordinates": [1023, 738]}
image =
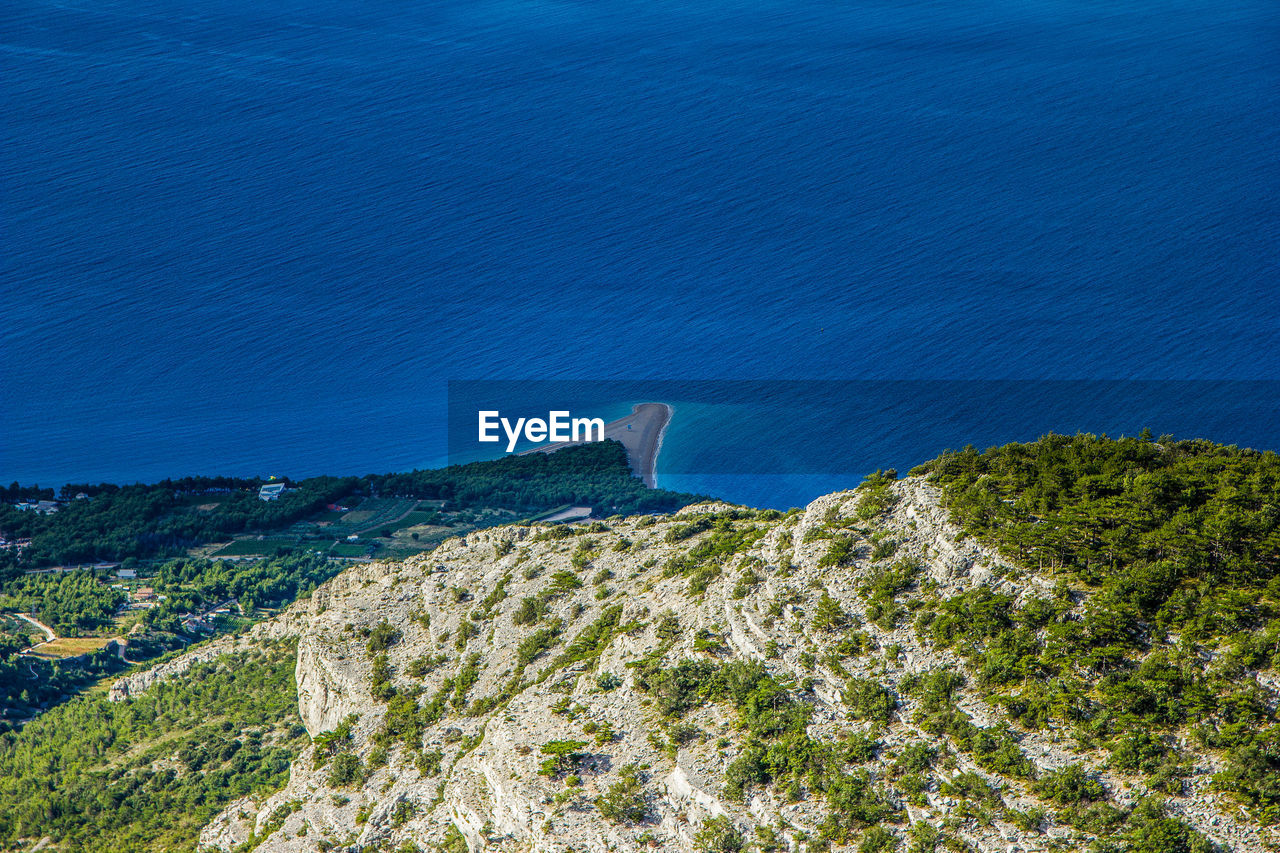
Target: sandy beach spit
{"type": "Point", "coordinates": [640, 432]}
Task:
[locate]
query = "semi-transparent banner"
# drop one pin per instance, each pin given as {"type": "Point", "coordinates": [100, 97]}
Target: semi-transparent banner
{"type": "Point", "coordinates": [829, 427]}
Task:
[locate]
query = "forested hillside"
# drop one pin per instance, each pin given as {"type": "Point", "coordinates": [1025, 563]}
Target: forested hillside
{"type": "Point", "coordinates": [594, 474]}
{"type": "Point", "coordinates": [168, 518]}
{"type": "Point", "coordinates": [1171, 549]}
{"type": "Point", "coordinates": [164, 519]}
{"type": "Point", "coordinates": [145, 775]}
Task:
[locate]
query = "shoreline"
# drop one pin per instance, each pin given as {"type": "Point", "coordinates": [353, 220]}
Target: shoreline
{"type": "Point", "coordinates": [640, 432]}
{"type": "Point", "coordinates": [651, 479]}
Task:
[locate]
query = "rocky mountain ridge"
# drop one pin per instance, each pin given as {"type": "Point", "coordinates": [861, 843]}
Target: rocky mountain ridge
{"type": "Point", "coordinates": [555, 688]}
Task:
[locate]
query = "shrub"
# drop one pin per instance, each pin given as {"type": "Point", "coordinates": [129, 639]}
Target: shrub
{"type": "Point", "coordinates": [624, 801]}
{"type": "Point", "coordinates": [877, 839]}
{"type": "Point", "coordinates": [884, 548]}
{"type": "Point", "coordinates": [403, 812]}
{"type": "Point", "coordinates": [828, 615]}
{"type": "Point", "coordinates": [1252, 773]}
{"type": "Point", "coordinates": [854, 804]}
{"type": "Point", "coordinates": [466, 631]}
{"type": "Point", "coordinates": [747, 581]}
{"type": "Point", "coordinates": [719, 835]}
{"type": "Point", "coordinates": [681, 532]}
{"type": "Point", "coordinates": [328, 744]}
{"type": "Point", "coordinates": [869, 700]}
{"type": "Point", "coordinates": [454, 841]}
{"type": "Point", "coordinates": [972, 787]}
{"type": "Point", "coordinates": [383, 636]}
{"type": "Point", "coordinates": [563, 756]}
{"type": "Point", "coordinates": [1150, 830]}
{"type": "Point", "coordinates": [535, 644]}
{"type": "Point", "coordinates": [428, 763]}
{"type": "Point", "coordinates": [401, 722]}
{"type": "Point", "coordinates": [668, 627]}
{"type": "Point", "coordinates": [708, 641]}
{"type": "Point", "coordinates": [877, 494]}
{"type": "Point", "coordinates": [564, 581]}
{"type": "Point", "coordinates": [1069, 786]}
{"type": "Point", "coordinates": [916, 758]}
{"type": "Point", "coordinates": [530, 610]}
{"type": "Point", "coordinates": [419, 667]}
{"type": "Point", "coordinates": [345, 771]}
{"type": "Point", "coordinates": [380, 679]}
{"type": "Point", "coordinates": [1031, 820]}
{"type": "Point", "coordinates": [840, 553]}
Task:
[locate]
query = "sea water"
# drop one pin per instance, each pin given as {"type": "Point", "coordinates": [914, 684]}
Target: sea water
{"type": "Point", "coordinates": [260, 238]}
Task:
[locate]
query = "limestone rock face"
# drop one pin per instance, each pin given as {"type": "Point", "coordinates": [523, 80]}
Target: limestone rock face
{"type": "Point", "coordinates": [512, 639]}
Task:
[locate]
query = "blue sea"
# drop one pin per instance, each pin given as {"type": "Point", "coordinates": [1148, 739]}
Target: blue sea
{"type": "Point", "coordinates": [262, 238]}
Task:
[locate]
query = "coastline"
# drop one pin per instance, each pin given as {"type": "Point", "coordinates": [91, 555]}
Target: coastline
{"type": "Point", "coordinates": [640, 432]}
{"type": "Point", "coordinates": [651, 478]}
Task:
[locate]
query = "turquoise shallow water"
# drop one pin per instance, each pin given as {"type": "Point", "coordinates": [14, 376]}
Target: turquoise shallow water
{"type": "Point", "coordinates": [261, 238]}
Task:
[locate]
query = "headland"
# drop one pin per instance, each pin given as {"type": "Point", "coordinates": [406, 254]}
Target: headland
{"type": "Point", "coordinates": [640, 433]}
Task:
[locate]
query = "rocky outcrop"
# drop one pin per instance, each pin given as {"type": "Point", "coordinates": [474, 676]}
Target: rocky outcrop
{"type": "Point", "coordinates": [498, 653]}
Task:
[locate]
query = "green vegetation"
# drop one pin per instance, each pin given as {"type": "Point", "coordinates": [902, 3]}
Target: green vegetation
{"type": "Point", "coordinates": [69, 602]}
{"type": "Point", "coordinates": [146, 774]}
{"type": "Point", "coordinates": [190, 584]}
{"type": "Point", "coordinates": [868, 700]}
{"type": "Point", "coordinates": [778, 749]}
{"type": "Point", "coordinates": [531, 610]}
{"type": "Point", "coordinates": [719, 835]}
{"type": "Point", "coordinates": [165, 519]}
{"type": "Point", "coordinates": [29, 685]}
{"type": "Point", "coordinates": [1164, 551]}
{"type": "Point", "coordinates": [994, 749]}
{"type": "Point", "coordinates": [882, 587]}
{"type": "Point", "coordinates": [1162, 603]}
{"type": "Point", "coordinates": [704, 562]}
{"type": "Point", "coordinates": [594, 474]}
{"type": "Point", "coordinates": [828, 615]}
{"type": "Point", "coordinates": [151, 528]}
{"type": "Point", "coordinates": [532, 646]}
{"type": "Point", "coordinates": [254, 547]}
{"type": "Point", "coordinates": [624, 801]}
{"type": "Point", "coordinates": [593, 639]}
{"type": "Point", "coordinates": [839, 554]}
{"type": "Point", "coordinates": [172, 516]}
{"type": "Point", "coordinates": [331, 743]}
{"type": "Point", "coordinates": [79, 603]}
{"type": "Point", "coordinates": [1172, 536]}
{"type": "Point", "coordinates": [562, 757]}
{"type": "Point", "coordinates": [875, 494]}
{"type": "Point", "coordinates": [382, 637]}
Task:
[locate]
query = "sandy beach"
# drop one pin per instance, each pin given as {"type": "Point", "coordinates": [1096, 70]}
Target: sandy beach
{"type": "Point", "coordinates": [640, 433]}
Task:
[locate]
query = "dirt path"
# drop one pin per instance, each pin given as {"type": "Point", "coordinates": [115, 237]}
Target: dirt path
{"type": "Point", "coordinates": [50, 635]}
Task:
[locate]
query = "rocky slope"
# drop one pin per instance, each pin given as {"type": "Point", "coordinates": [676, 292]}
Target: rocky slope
{"type": "Point", "coordinates": [513, 690]}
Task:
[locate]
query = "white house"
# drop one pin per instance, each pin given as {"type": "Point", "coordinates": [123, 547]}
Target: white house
{"type": "Point", "coordinates": [270, 491]}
